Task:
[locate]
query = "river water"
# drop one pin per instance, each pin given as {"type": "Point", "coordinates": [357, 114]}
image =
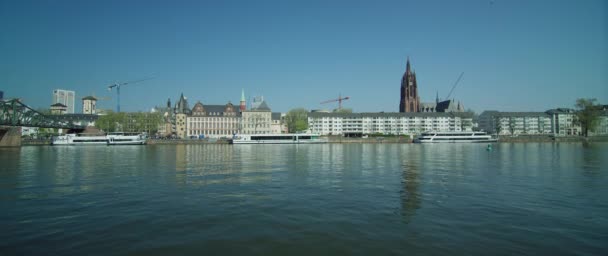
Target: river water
{"type": "Point", "coordinates": [332, 199]}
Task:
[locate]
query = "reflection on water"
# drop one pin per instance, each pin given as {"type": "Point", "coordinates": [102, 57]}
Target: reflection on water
{"type": "Point", "coordinates": [9, 172]}
{"type": "Point", "coordinates": [535, 199]}
{"type": "Point", "coordinates": [410, 196]}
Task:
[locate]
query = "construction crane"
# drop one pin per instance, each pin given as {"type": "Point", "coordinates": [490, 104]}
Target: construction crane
{"type": "Point", "coordinates": [118, 85]}
{"type": "Point", "coordinates": [454, 86]}
{"type": "Point", "coordinates": [339, 100]}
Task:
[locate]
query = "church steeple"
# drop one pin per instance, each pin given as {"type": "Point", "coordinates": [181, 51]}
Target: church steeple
{"type": "Point", "coordinates": [410, 102]}
{"type": "Point", "coordinates": [242, 106]}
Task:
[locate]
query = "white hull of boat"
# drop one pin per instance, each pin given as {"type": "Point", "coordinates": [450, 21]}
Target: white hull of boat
{"type": "Point", "coordinates": [279, 142]}
{"type": "Point", "coordinates": [111, 139]}
{"type": "Point", "coordinates": [457, 141]}
{"type": "Point", "coordinates": [455, 137]}
{"type": "Point", "coordinates": [278, 139]}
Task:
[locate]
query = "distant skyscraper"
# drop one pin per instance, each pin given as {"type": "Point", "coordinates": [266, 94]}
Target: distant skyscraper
{"type": "Point", "coordinates": [1, 95]}
{"type": "Point", "coordinates": [410, 101]}
{"type": "Point", "coordinates": [66, 98]}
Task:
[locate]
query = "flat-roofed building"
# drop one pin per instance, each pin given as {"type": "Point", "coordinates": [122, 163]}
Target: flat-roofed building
{"type": "Point", "coordinates": [564, 120]}
{"type": "Point", "coordinates": [355, 124]}
{"type": "Point", "coordinates": [601, 128]}
{"type": "Point", "coordinates": [514, 123]}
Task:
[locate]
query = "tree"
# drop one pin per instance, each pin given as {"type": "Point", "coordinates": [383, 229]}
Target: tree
{"type": "Point", "coordinates": [111, 122]}
{"type": "Point", "coordinates": [512, 125]}
{"type": "Point", "coordinates": [497, 125]}
{"type": "Point", "coordinates": [129, 122]}
{"type": "Point", "coordinates": [588, 114]}
{"type": "Point", "coordinates": [297, 120]}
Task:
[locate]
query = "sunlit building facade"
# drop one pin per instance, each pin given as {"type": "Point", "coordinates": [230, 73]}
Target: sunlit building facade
{"type": "Point", "coordinates": [213, 121]}
{"type": "Point", "coordinates": [387, 123]}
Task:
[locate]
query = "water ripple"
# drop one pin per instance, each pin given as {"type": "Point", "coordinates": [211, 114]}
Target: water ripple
{"type": "Point", "coordinates": [380, 199]}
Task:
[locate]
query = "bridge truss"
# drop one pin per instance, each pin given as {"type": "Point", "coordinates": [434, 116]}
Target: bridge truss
{"type": "Point", "coordinates": [14, 113]}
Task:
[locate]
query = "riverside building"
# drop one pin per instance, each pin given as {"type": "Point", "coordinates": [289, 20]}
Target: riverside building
{"type": "Point", "coordinates": [564, 122]}
{"type": "Point", "coordinates": [214, 121]}
{"type": "Point", "coordinates": [515, 123]}
{"type": "Point", "coordinates": [278, 125]}
{"type": "Point", "coordinates": [257, 120]}
{"type": "Point", "coordinates": [357, 124]}
{"type": "Point", "coordinates": [557, 122]}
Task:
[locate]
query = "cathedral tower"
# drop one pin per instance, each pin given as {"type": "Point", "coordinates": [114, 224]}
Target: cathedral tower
{"type": "Point", "coordinates": [410, 101]}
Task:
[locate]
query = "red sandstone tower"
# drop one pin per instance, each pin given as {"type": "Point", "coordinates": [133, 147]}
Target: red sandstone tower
{"type": "Point", "coordinates": [410, 101]}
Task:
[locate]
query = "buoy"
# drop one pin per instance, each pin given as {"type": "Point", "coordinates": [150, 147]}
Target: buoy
{"type": "Point", "coordinates": [489, 147]}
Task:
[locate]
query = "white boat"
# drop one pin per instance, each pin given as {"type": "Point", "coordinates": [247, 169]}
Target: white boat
{"type": "Point", "coordinates": [119, 138]}
{"type": "Point", "coordinates": [454, 137]}
{"type": "Point", "coordinates": [287, 138]}
{"type": "Point", "coordinates": [108, 139]}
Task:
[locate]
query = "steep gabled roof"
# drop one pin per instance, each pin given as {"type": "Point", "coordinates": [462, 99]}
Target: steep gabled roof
{"type": "Point", "coordinates": [262, 107]}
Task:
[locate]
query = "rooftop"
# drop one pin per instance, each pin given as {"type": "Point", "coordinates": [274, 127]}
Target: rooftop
{"type": "Point", "coordinates": [392, 114]}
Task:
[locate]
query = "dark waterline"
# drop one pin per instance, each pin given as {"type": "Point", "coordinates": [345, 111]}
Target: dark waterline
{"type": "Point", "coordinates": [371, 199]}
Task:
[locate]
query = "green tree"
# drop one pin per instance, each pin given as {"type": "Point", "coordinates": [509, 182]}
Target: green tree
{"type": "Point", "coordinates": [110, 122]}
{"type": "Point", "coordinates": [129, 122]}
{"type": "Point", "coordinates": [297, 120]}
{"type": "Point", "coordinates": [588, 114]}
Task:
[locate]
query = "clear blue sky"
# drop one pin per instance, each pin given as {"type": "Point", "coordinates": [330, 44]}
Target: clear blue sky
{"type": "Point", "coordinates": [517, 55]}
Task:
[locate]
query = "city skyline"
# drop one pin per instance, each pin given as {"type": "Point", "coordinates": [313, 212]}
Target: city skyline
{"type": "Point", "coordinates": [516, 55]}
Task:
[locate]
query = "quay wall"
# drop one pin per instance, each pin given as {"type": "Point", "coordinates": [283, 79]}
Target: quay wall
{"type": "Point", "coordinates": [370, 140]}
{"type": "Point", "coordinates": [10, 136]}
{"type": "Point", "coordinates": [185, 141]}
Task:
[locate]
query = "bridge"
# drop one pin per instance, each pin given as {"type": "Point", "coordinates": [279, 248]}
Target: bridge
{"type": "Point", "coordinates": [14, 114]}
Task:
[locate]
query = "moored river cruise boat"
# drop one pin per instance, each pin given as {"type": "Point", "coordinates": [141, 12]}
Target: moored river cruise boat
{"type": "Point", "coordinates": [455, 137]}
{"type": "Point", "coordinates": [116, 138]}
{"type": "Point", "coordinates": [288, 138]}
